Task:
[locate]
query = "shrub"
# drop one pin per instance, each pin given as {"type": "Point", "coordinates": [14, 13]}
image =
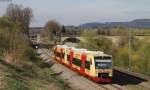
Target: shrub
{"type": "Point", "coordinates": [93, 42]}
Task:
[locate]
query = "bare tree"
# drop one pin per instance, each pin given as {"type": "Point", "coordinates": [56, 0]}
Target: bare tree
{"type": "Point", "coordinates": [20, 15]}
{"type": "Point", "coordinates": [52, 29]}
{"type": "Point", "coordinates": [63, 30]}
{"type": "Point", "coordinates": [27, 15]}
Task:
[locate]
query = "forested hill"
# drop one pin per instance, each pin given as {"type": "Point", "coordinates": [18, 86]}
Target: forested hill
{"type": "Point", "coordinates": [138, 23]}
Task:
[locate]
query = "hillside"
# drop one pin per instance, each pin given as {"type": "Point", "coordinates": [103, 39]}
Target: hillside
{"type": "Point", "coordinates": [138, 23]}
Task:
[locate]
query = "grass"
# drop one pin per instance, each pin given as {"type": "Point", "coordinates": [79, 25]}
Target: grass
{"type": "Point", "coordinates": [31, 76]}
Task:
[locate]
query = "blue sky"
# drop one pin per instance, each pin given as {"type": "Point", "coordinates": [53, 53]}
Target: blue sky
{"type": "Point", "coordinates": [75, 12]}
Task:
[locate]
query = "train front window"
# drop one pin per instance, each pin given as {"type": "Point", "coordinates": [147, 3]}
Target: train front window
{"type": "Point", "coordinates": [103, 62]}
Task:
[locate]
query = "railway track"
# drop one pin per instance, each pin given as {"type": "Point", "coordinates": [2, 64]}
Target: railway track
{"type": "Point", "coordinates": [79, 81]}
{"type": "Point", "coordinates": [121, 80]}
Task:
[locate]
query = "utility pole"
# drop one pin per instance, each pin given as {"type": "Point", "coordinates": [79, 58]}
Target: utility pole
{"type": "Point", "coordinates": [130, 63]}
{"type": "Point", "coordinates": [60, 38]}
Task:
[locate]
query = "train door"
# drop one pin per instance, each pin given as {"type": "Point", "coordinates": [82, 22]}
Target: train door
{"type": "Point", "coordinates": [61, 56]}
{"type": "Point", "coordinates": [82, 67]}
{"type": "Point", "coordinates": [71, 59]}
{"type": "Point", "coordinates": [65, 56]}
{"type": "Point", "coordinates": [92, 66]}
{"type": "Point", "coordinates": [55, 50]}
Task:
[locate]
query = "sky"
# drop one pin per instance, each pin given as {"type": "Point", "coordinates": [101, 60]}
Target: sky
{"type": "Point", "coordinates": [76, 12]}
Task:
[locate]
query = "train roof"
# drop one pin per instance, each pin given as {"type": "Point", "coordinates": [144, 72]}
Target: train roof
{"type": "Point", "coordinates": [78, 49]}
{"type": "Point", "coordinates": [82, 50]}
{"type": "Point", "coordinates": [63, 46]}
{"type": "Point", "coordinates": [97, 53]}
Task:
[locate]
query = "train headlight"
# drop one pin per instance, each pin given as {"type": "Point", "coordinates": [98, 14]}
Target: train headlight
{"type": "Point", "coordinates": [110, 74]}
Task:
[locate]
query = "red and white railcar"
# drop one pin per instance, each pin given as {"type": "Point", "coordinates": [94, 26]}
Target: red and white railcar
{"type": "Point", "coordinates": [93, 64]}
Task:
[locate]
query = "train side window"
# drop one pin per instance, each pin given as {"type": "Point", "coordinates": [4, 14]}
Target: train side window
{"type": "Point", "coordinates": [106, 57]}
{"type": "Point", "coordinates": [91, 61]}
{"type": "Point", "coordinates": [87, 65]}
{"type": "Point", "coordinates": [77, 62]}
{"type": "Point", "coordinates": [68, 57]}
{"type": "Point", "coordinates": [58, 54]}
{"type": "Point", "coordinates": [63, 55]}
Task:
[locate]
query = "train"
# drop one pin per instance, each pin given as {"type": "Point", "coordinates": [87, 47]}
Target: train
{"type": "Point", "coordinates": [95, 65]}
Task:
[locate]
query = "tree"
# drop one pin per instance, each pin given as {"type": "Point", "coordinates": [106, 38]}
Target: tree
{"type": "Point", "coordinates": [121, 57]}
{"type": "Point", "coordinates": [52, 30]}
{"type": "Point", "coordinates": [99, 31]}
{"type": "Point", "coordinates": [12, 44]}
{"type": "Point", "coordinates": [94, 42]}
{"type": "Point", "coordinates": [63, 30]}
{"type": "Point", "coordinates": [5, 22]}
{"type": "Point", "coordinates": [20, 15]}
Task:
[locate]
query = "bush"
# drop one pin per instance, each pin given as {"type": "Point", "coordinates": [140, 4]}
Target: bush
{"type": "Point", "coordinates": [141, 57]}
{"type": "Point", "coordinates": [121, 57]}
{"type": "Point", "coordinates": [93, 42]}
